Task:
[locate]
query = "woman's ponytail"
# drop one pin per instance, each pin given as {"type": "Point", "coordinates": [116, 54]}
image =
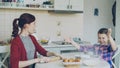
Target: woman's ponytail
{"type": "Point", "coordinates": [25, 18]}
{"type": "Point", "coordinates": [15, 28]}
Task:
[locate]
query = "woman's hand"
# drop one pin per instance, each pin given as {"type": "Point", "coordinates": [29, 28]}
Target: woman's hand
{"type": "Point", "coordinates": [37, 60]}
{"type": "Point", "coordinates": [45, 60]}
{"type": "Point", "coordinates": [60, 57]}
{"type": "Point", "coordinates": [42, 60]}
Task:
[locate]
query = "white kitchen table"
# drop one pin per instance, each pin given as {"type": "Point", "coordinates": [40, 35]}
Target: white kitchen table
{"type": "Point", "coordinates": [58, 64]}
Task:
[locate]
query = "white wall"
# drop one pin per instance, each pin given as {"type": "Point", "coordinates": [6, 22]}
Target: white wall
{"type": "Point", "coordinates": [84, 25]}
{"type": "Point", "coordinates": [117, 31]}
{"type": "Point", "coordinates": [71, 24]}
{"type": "Point", "coordinates": [117, 35]}
{"type": "Point", "coordinates": [93, 23]}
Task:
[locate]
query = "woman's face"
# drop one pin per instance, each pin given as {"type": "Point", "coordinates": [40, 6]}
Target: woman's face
{"type": "Point", "coordinates": [103, 39]}
{"type": "Point", "coordinates": [31, 27]}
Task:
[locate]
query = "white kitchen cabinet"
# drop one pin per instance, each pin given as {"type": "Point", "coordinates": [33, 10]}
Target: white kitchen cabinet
{"type": "Point", "coordinates": [30, 5]}
{"type": "Point", "coordinates": [65, 5]}
{"type": "Point", "coordinates": [61, 4]}
{"type": "Point", "coordinates": [68, 5]}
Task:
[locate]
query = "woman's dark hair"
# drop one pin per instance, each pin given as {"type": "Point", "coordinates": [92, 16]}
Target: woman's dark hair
{"type": "Point", "coordinates": [103, 31]}
{"type": "Point", "coordinates": [25, 18]}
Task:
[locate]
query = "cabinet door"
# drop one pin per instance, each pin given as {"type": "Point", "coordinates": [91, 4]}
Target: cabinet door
{"type": "Point", "coordinates": [76, 5]}
{"type": "Point", "coordinates": [61, 4]}
{"type": "Point", "coordinates": [70, 5]}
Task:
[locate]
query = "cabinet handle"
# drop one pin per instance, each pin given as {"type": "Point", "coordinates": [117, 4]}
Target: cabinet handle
{"type": "Point", "coordinates": [70, 6]}
{"type": "Point", "coordinates": [67, 6]}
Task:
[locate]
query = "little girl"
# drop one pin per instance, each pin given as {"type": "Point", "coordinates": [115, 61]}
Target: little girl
{"type": "Point", "coordinates": [106, 48]}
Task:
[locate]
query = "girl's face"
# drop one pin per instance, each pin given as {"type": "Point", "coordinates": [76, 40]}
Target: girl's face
{"type": "Point", "coordinates": [103, 39]}
{"type": "Point", "coordinates": [31, 28]}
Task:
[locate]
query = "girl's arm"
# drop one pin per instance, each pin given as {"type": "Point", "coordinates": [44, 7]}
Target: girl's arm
{"type": "Point", "coordinates": [111, 41]}
{"type": "Point", "coordinates": [72, 42]}
{"type": "Point", "coordinates": [75, 44]}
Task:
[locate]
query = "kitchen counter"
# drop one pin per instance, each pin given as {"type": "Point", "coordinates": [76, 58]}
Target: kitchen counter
{"type": "Point", "coordinates": [58, 48]}
{"type": "Point", "coordinates": [55, 45]}
{"type": "Point", "coordinates": [50, 47]}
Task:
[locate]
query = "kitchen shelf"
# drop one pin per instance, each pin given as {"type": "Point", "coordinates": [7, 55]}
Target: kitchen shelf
{"type": "Point", "coordinates": [46, 7]}
{"type": "Point", "coordinates": [24, 6]}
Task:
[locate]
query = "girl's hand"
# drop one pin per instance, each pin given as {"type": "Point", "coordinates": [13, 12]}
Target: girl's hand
{"type": "Point", "coordinates": [109, 32]}
{"type": "Point", "coordinates": [69, 40]}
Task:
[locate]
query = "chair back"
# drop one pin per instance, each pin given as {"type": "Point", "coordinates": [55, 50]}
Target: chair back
{"type": "Point", "coordinates": [117, 53]}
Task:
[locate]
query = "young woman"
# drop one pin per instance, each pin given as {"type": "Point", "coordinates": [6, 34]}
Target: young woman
{"type": "Point", "coordinates": [106, 47]}
{"type": "Point", "coordinates": [24, 46]}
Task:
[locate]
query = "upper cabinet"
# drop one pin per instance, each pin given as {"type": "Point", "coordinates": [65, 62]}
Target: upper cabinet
{"type": "Point", "coordinates": [27, 4]}
{"type": "Point", "coordinates": [68, 5]}
{"type": "Point", "coordinates": [59, 5]}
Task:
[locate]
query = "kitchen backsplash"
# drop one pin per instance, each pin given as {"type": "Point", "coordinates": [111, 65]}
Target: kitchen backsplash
{"type": "Point", "coordinates": [47, 24]}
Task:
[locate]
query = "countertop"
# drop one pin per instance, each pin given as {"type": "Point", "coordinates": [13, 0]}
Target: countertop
{"type": "Point", "coordinates": [55, 45]}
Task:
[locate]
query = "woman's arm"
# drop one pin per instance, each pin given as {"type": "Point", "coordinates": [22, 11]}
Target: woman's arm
{"type": "Point", "coordinates": [111, 41]}
{"type": "Point", "coordinates": [51, 54]}
{"type": "Point", "coordinates": [41, 50]}
{"type": "Point", "coordinates": [33, 61]}
{"type": "Point", "coordinates": [28, 62]}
